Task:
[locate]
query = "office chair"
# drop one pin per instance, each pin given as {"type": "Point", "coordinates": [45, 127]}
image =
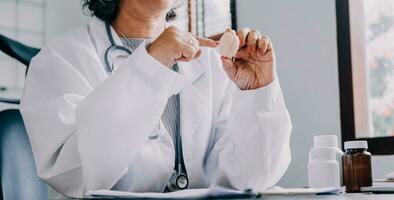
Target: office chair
{"type": "Point", "coordinates": [18, 174]}
{"type": "Point", "coordinates": [20, 52]}
{"type": "Point", "coordinates": [18, 171]}
{"type": "Point", "coordinates": [17, 50]}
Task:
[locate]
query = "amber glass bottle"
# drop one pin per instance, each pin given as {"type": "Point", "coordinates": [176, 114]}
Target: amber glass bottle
{"type": "Point", "coordinates": [356, 166]}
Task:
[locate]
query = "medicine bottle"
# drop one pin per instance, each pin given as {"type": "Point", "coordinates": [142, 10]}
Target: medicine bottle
{"type": "Point", "coordinates": [323, 168]}
{"type": "Point", "coordinates": [356, 166]}
{"type": "Point", "coordinates": [330, 141]}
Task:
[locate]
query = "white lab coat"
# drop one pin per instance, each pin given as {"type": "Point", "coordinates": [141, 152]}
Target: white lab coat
{"type": "Point", "coordinates": [88, 128]}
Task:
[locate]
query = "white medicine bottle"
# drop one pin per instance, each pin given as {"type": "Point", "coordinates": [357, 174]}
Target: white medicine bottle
{"type": "Point", "coordinates": [328, 141]}
{"type": "Point", "coordinates": [323, 168]}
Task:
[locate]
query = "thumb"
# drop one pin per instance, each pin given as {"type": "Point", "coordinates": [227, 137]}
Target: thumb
{"type": "Point", "coordinates": [229, 67]}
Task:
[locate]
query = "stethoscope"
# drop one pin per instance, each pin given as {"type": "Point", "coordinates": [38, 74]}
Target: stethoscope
{"type": "Point", "coordinates": [113, 47]}
{"type": "Point", "coordinates": [179, 179]}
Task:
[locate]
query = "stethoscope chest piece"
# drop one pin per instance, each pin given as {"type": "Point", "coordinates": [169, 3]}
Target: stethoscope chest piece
{"type": "Point", "coordinates": [178, 181]}
{"type": "Point", "coordinates": [182, 181]}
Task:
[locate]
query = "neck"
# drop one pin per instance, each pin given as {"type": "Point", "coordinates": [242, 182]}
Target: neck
{"type": "Point", "coordinates": [137, 26]}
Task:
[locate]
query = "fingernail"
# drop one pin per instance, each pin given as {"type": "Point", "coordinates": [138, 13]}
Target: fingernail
{"type": "Point", "coordinates": [225, 59]}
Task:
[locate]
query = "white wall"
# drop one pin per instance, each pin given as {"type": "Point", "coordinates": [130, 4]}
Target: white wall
{"type": "Point", "coordinates": [59, 17]}
{"type": "Point", "coordinates": [62, 16]}
{"type": "Point", "coordinates": [304, 35]}
{"type": "Point", "coordinates": [23, 21]}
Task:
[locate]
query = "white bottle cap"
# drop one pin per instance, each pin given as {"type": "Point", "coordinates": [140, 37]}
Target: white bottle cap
{"type": "Point", "coordinates": [322, 154]}
{"type": "Point", "coordinates": [359, 144]}
{"type": "Point", "coordinates": [325, 141]}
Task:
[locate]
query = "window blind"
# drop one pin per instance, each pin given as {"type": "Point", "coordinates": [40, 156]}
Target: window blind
{"type": "Point", "coordinates": [182, 18]}
{"type": "Point", "coordinates": [22, 20]}
{"type": "Point", "coordinates": [203, 17]}
{"type": "Point", "coordinates": [213, 16]}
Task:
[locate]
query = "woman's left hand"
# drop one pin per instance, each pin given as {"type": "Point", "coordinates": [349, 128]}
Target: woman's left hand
{"type": "Point", "coordinates": [253, 66]}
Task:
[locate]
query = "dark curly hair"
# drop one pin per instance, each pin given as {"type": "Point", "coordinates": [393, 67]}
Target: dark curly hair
{"type": "Point", "coordinates": [107, 10]}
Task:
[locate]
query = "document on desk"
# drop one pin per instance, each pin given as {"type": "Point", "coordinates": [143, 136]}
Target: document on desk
{"type": "Point", "coordinates": [215, 192]}
{"type": "Point", "coordinates": [325, 190]}
{"type": "Point", "coordinates": [386, 186]}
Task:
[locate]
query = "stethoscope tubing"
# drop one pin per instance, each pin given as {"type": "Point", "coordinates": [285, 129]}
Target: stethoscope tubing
{"type": "Point", "coordinates": [112, 48]}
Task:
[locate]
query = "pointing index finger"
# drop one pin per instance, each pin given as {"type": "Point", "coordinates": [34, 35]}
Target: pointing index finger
{"type": "Point", "coordinates": [206, 42]}
{"type": "Point", "coordinates": [216, 37]}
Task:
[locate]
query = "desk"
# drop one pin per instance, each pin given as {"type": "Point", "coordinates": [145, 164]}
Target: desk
{"type": "Point", "coordinates": [331, 197]}
{"type": "Point", "coordinates": [315, 197]}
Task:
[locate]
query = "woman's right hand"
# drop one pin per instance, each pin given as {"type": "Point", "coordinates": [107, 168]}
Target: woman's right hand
{"type": "Point", "coordinates": [174, 45]}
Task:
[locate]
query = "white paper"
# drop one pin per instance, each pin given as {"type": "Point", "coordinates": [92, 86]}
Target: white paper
{"type": "Point", "coordinates": [383, 186]}
{"type": "Point", "coordinates": [279, 190]}
{"type": "Point", "coordinates": [183, 194]}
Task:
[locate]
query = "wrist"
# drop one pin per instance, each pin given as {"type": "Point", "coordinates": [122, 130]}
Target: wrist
{"type": "Point", "coordinates": [156, 55]}
{"type": "Point", "coordinates": [267, 81]}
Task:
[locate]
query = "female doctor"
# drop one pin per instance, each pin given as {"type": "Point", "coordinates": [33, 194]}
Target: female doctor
{"type": "Point", "coordinates": [119, 103]}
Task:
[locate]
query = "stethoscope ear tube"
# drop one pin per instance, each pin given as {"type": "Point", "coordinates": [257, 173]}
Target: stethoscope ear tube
{"type": "Point", "coordinates": [113, 47]}
{"type": "Point", "coordinates": [108, 66]}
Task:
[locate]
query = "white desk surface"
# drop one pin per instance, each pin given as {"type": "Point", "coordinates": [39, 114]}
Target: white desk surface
{"type": "Point", "coordinates": [354, 196]}
{"type": "Point", "coordinates": [308, 197]}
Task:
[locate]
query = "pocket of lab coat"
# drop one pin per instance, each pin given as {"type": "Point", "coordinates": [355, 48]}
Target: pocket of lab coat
{"type": "Point", "coordinates": [155, 133]}
{"type": "Point", "coordinates": [154, 136]}
{"type": "Point", "coordinates": [158, 151]}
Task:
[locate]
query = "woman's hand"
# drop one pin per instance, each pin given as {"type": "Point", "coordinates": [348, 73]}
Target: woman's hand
{"type": "Point", "coordinates": [253, 66]}
{"type": "Point", "coordinates": [174, 45]}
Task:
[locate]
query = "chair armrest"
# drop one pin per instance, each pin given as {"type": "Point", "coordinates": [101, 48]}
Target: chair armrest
{"type": "Point", "coordinates": [11, 101]}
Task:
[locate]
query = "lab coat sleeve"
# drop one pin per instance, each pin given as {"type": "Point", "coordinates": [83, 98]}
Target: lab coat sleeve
{"type": "Point", "coordinates": [251, 138]}
{"type": "Point", "coordinates": [83, 137]}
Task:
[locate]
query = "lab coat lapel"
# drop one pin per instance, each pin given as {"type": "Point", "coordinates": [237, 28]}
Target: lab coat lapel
{"type": "Point", "coordinates": [192, 102]}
